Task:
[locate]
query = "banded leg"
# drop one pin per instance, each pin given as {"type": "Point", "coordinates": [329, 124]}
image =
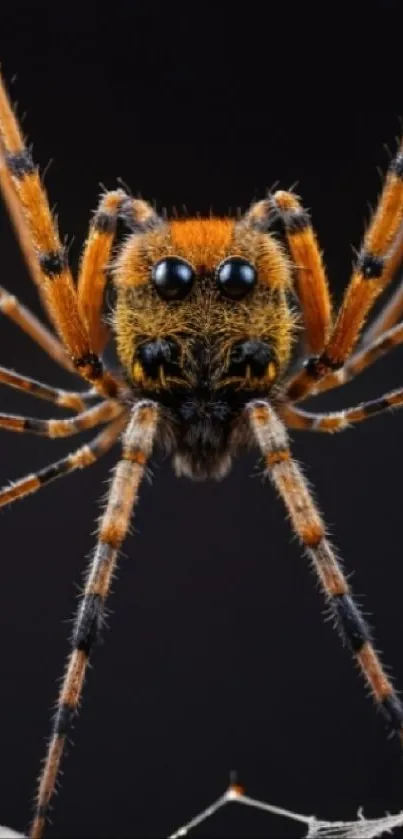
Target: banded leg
{"type": "Point", "coordinates": [339, 420]}
{"type": "Point", "coordinates": [370, 276]}
{"type": "Point", "coordinates": [79, 459]}
{"type": "Point", "coordinates": [17, 217]}
{"type": "Point", "coordinates": [311, 281]}
{"type": "Point", "coordinates": [22, 317]}
{"type": "Point", "coordinates": [56, 282]}
{"type": "Point", "coordinates": [393, 309]}
{"type": "Point", "coordinates": [104, 412]}
{"type": "Point", "coordinates": [361, 359]}
{"type": "Point", "coordinates": [95, 259]}
{"type": "Point", "coordinates": [312, 285]}
{"type": "Point", "coordinates": [63, 398]}
{"type": "Point", "coordinates": [308, 525]}
{"type": "Point", "coordinates": [136, 447]}
{"type": "Point", "coordinates": [139, 217]}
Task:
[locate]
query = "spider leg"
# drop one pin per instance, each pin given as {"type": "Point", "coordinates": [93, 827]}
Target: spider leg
{"type": "Point", "coordinates": [338, 420]}
{"type": "Point", "coordinates": [361, 359]}
{"type": "Point", "coordinates": [56, 282]}
{"type": "Point", "coordinates": [137, 444]}
{"type": "Point", "coordinates": [393, 309]}
{"type": "Point", "coordinates": [104, 412]}
{"type": "Point", "coordinates": [308, 525]}
{"type": "Point", "coordinates": [371, 274]}
{"type": "Point", "coordinates": [16, 214]}
{"type": "Point", "coordinates": [311, 281]}
{"type": "Point", "coordinates": [63, 398]}
{"type": "Point", "coordinates": [94, 262]}
{"type": "Point", "coordinates": [137, 215]}
{"type": "Point", "coordinates": [22, 317]}
{"type": "Point", "coordinates": [79, 459]}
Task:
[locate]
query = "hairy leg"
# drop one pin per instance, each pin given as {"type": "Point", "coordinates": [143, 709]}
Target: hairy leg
{"type": "Point", "coordinates": [307, 523]}
{"type": "Point", "coordinates": [104, 412]}
{"type": "Point", "coordinates": [338, 420]}
{"type": "Point", "coordinates": [371, 274]}
{"type": "Point", "coordinates": [63, 398]}
{"type": "Point", "coordinates": [55, 279]}
{"type": "Point", "coordinates": [136, 447]}
{"type": "Point", "coordinates": [79, 459]}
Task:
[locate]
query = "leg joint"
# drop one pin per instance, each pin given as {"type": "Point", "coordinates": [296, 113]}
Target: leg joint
{"type": "Point", "coordinates": [89, 622]}
{"type": "Point", "coordinates": [90, 362]}
{"type": "Point", "coordinates": [63, 719]}
{"type": "Point", "coordinates": [53, 263]}
{"type": "Point", "coordinates": [349, 621]}
{"type": "Point", "coordinates": [20, 163]}
{"type": "Point", "coordinates": [375, 406]}
{"type": "Point", "coordinates": [49, 473]}
{"type": "Point", "coordinates": [318, 365]}
{"type": "Point", "coordinates": [392, 710]}
{"type": "Point", "coordinates": [105, 222]}
{"type": "Point", "coordinates": [370, 265]}
{"type": "Point", "coordinates": [296, 221]}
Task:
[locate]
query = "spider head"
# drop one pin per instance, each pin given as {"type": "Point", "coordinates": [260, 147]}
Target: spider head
{"type": "Point", "coordinates": [202, 321]}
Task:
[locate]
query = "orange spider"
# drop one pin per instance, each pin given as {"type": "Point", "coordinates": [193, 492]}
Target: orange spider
{"type": "Point", "coordinates": [204, 330]}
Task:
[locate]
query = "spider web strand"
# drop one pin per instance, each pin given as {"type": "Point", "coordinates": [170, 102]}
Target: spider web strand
{"type": "Point", "coordinates": [362, 828]}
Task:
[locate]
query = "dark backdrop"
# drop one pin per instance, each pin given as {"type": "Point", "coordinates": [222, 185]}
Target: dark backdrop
{"type": "Point", "coordinates": [217, 656]}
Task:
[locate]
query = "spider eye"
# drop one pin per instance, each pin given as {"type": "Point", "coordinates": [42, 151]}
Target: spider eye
{"type": "Point", "coordinates": [235, 277]}
{"type": "Point", "coordinates": [172, 277]}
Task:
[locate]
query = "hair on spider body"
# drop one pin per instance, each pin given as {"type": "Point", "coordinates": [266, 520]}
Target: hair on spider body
{"type": "Point", "coordinates": [203, 325]}
{"type": "Point", "coordinates": [203, 429]}
{"type": "Point", "coordinates": [204, 333]}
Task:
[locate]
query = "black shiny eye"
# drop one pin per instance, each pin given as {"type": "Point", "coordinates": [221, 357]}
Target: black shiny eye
{"type": "Point", "coordinates": [235, 277]}
{"type": "Point", "coordinates": [172, 277]}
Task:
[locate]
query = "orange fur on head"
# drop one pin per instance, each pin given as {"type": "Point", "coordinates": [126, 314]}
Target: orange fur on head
{"type": "Point", "coordinates": [204, 243]}
{"type": "Point", "coordinates": [141, 315]}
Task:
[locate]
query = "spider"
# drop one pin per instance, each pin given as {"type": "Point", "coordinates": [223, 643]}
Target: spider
{"type": "Point", "coordinates": [205, 321]}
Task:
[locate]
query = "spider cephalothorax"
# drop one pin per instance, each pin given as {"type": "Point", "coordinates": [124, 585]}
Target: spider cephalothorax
{"type": "Point", "coordinates": [204, 333]}
{"type": "Point", "coordinates": [203, 324]}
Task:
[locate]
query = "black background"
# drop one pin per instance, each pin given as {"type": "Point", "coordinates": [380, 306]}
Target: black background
{"type": "Point", "coordinates": [217, 657]}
